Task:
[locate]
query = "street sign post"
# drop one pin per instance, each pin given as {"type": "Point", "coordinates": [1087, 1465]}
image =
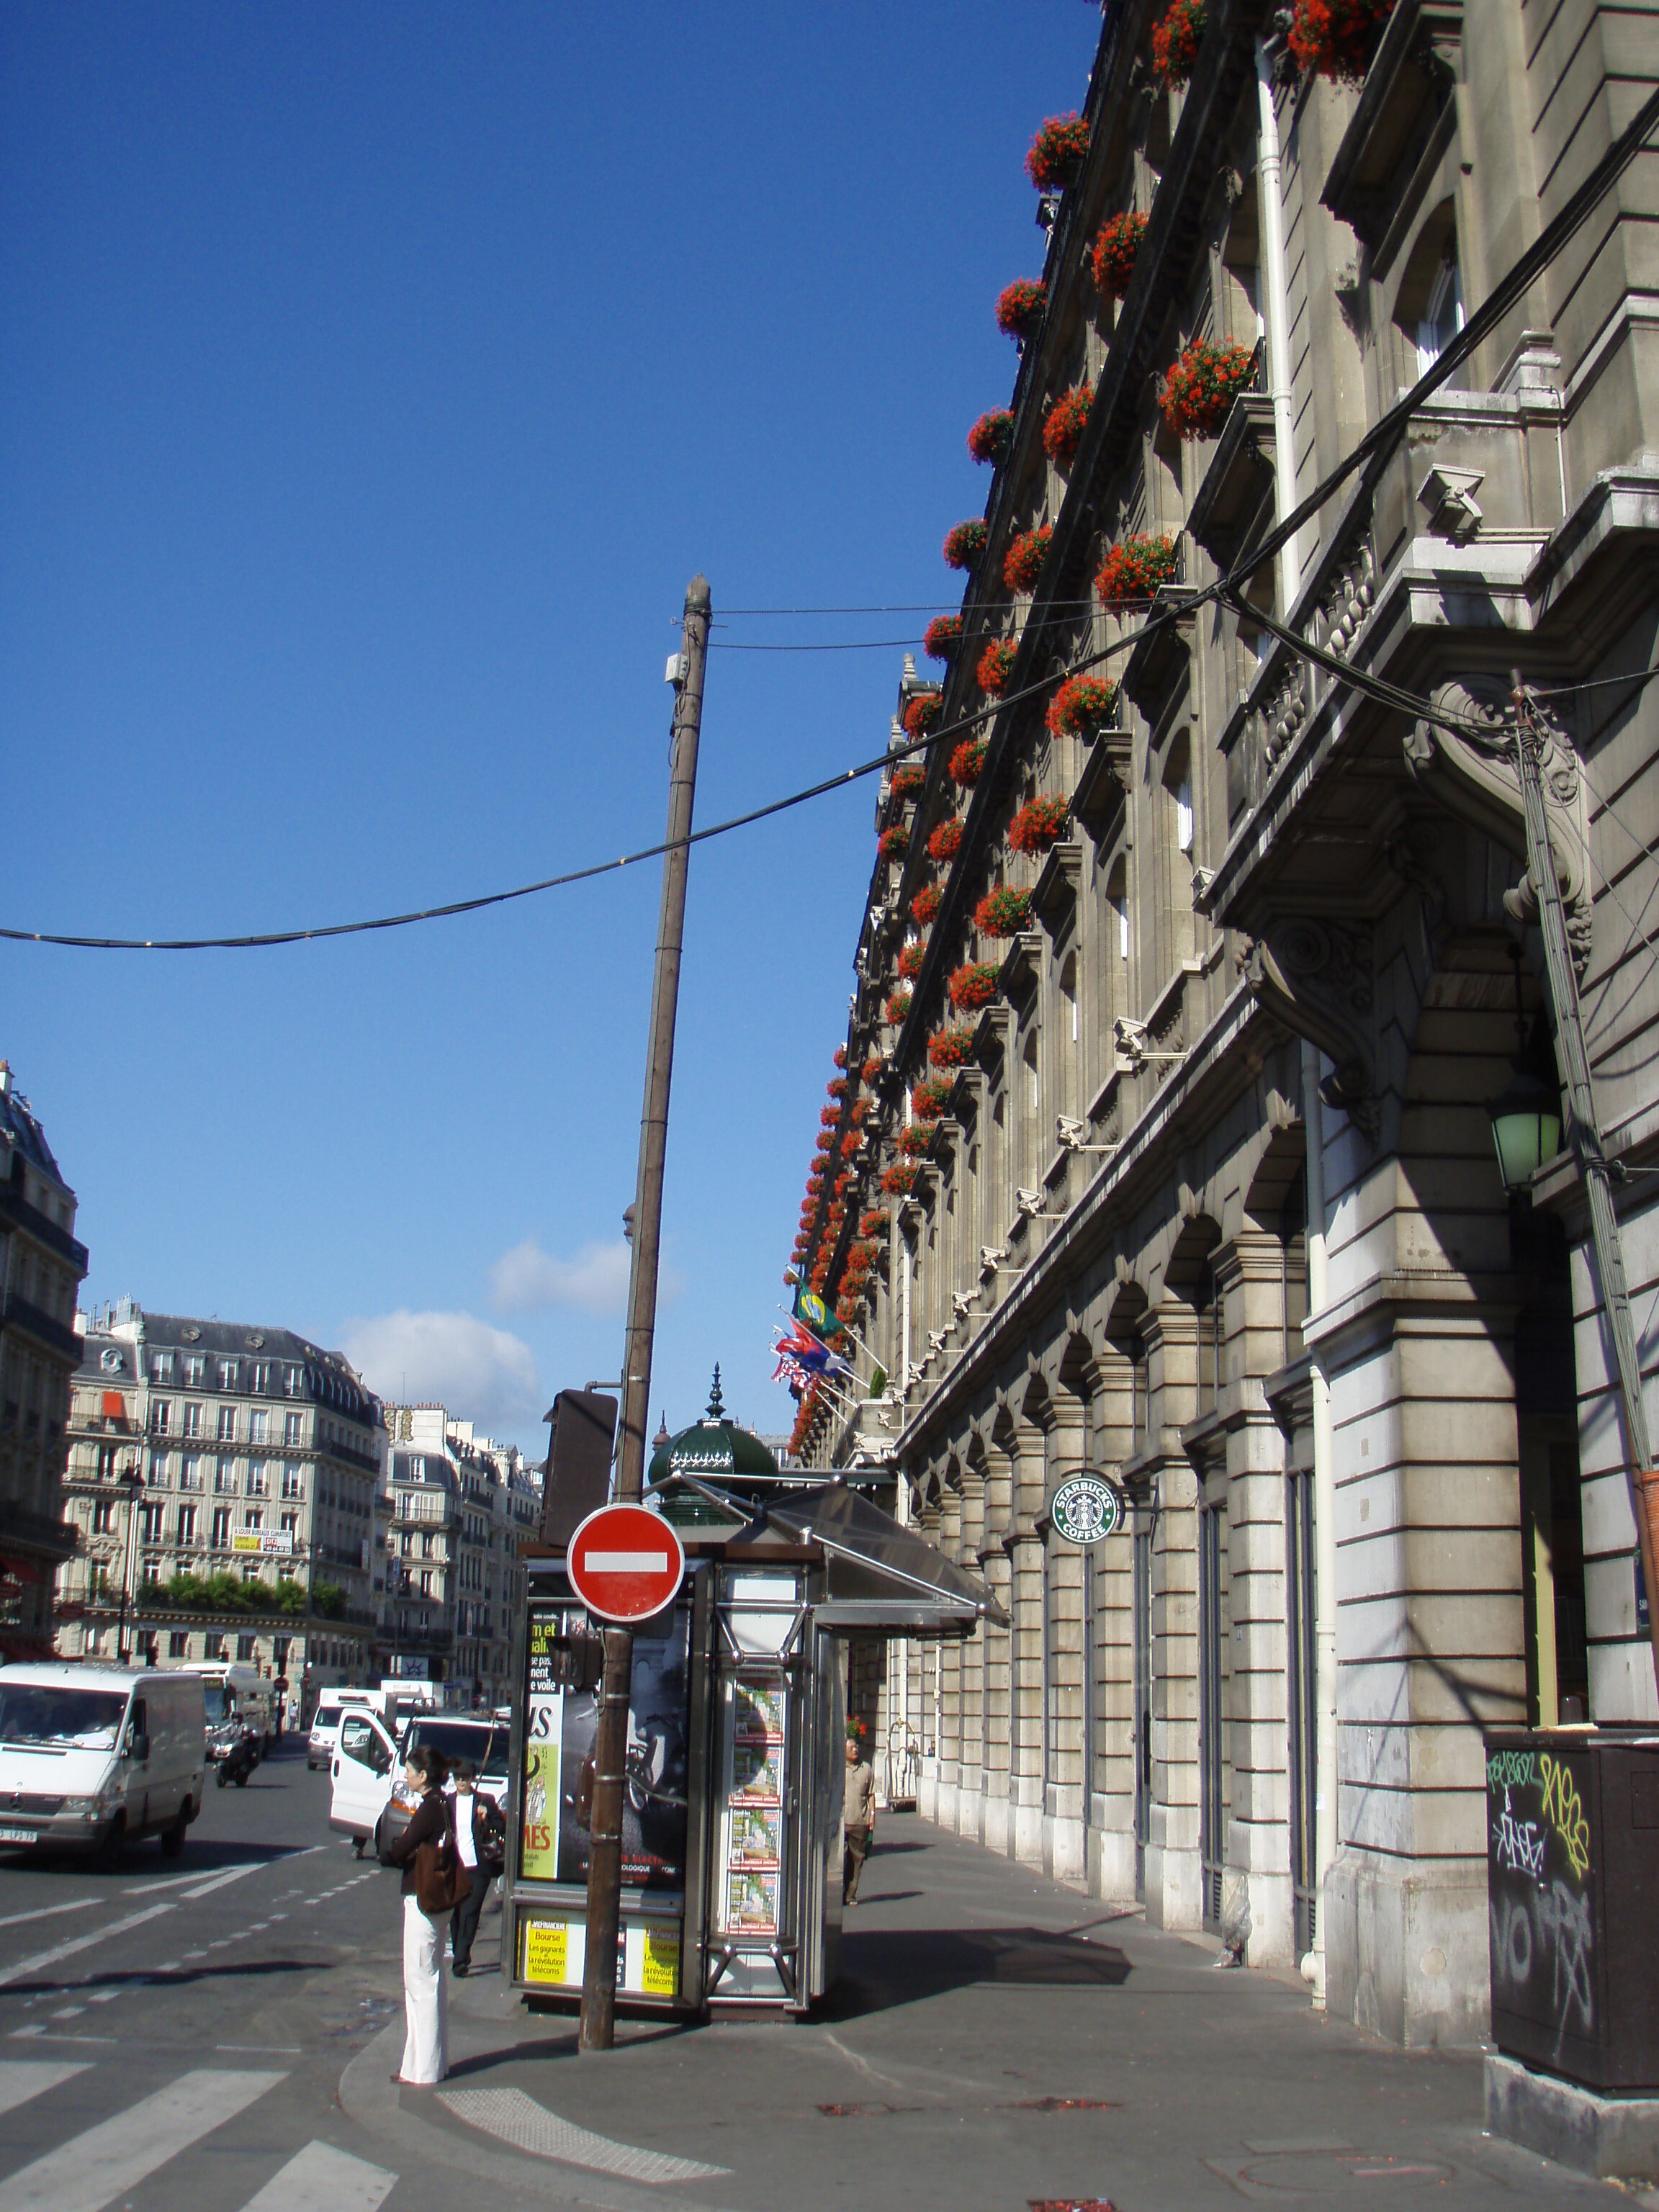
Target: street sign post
{"type": "Point", "coordinates": [625, 1563]}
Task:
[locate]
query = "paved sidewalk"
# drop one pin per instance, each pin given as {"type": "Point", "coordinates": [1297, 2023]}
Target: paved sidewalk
{"type": "Point", "coordinates": [996, 2041]}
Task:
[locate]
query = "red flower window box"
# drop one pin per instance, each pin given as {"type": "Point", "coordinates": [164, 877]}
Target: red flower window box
{"type": "Point", "coordinates": [893, 844]}
{"type": "Point", "coordinates": [923, 712]}
{"type": "Point", "coordinates": [850, 1143]}
{"type": "Point", "coordinates": [942, 637]}
{"type": "Point", "coordinates": [1133, 570]}
{"type": "Point", "coordinates": [1037, 824]}
{"type": "Point", "coordinates": [825, 1142]}
{"type": "Point", "coordinates": [1177, 39]}
{"type": "Point", "coordinates": [925, 906]}
{"type": "Point", "coordinates": [951, 1047]}
{"type": "Point", "coordinates": [1058, 153]}
{"type": "Point", "coordinates": [996, 665]}
{"type": "Point", "coordinates": [1002, 912]}
{"type": "Point", "coordinates": [967, 761]}
{"type": "Point", "coordinates": [1022, 564]}
{"type": "Point", "coordinates": [1336, 39]}
{"type": "Point", "coordinates": [945, 842]}
{"type": "Point", "coordinates": [1113, 259]}
{"type": "Point", "coordinates": [897, 1007]}
{"type": "Point", "coordinates": [1082, 703]}
{"type": "Point", "coordinates": [1064, 424]}
{"type": "Point", "coordinates": [899, 1179]}
{"type": "Point", "coordinates": [1202, 386]}
{"type": "Point", "coordinates": [840, 1055]}
{"type": "Point", "coordinates": [964, 546]}
{"type": "Point", "coordinates": [929, 1100]}
{"type": "Point", "coordinates": [914, 1143]}
{"type": "Point", "coordinates": [1020, 306]}
{"type": "Point", "coordinates": [860, 1112]}
{"type": "Point", "coordinates": [989, 438]}
{"type": "Point", "coordinates": [829, 1117]}
{"type": "Point", "coordinates": [873, 1223]}
{"type": "Point", "coordinates": [973, 986]}
{"type": "Point", "coordinates": [909, 781]}
{"type": "Point", "coordinates": [911, 958]}
{"type": "Point", "coordinates": [837, 1086]}
{"type": "Point", "coordinates": [872, 1067]}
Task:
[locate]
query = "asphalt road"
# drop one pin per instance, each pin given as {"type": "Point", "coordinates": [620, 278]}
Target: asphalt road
{"type": "Point", "coordinates": [172, 2031]}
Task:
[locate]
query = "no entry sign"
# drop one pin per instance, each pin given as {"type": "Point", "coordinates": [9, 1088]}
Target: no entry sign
{"type": "Point", "coordinates": [624, 1563]}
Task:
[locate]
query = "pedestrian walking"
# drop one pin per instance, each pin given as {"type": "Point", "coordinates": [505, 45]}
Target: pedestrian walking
{"type": "Point", "coordinates": [432, 1889]}
{"type": "Point", "coordinates": [481, 1839]}
{"type": "Point", "coordinates": [859, 1818]}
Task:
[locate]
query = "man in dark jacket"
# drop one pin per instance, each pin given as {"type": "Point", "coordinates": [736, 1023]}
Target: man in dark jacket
{"type": "Point", "coordinates": [481, 1838]}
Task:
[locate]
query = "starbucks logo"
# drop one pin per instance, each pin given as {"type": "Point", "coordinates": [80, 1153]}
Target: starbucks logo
{"type": "Point", "coordinates": [1087, 1508]}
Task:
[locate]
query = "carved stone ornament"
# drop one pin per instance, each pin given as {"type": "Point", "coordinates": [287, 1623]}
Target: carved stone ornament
{"type": "Point", "coordinates": [1316, 978]}
{"type": "Point", "coordinates": [1472, 772]}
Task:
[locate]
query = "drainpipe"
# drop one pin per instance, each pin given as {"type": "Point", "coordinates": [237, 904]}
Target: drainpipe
{"type": "Point", "coordinates": [1277, 315]}
{"type": "Point", "coordinates": [1324, 1515]}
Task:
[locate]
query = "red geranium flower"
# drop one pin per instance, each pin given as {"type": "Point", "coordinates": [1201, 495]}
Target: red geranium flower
{"type": "Point", "coordinates": [942, 637]}
{"type": "Point", "coordinates": [929, 1100]}
{"type": "Point", "coordinates": [996, 663]}
{"type": "Point", "coordinates": [1022, 564]}
{"type": "Point", "coordinates": [1336, 38]}
{"type": "Point", "coordinates": [840, 1055]}
{"type": "Point", "coordinates": [899, 1178]}
{"type": "Point", "coordinates": [850, 1143]}
{"type": "Point", "coordinates": [1064, 424]}
{"type": "Point", "coordinates": [1058, 152]}
{"type": "Point", "coordinates": [830, 1117]}
{"type": "Point", "coordinates": [951, 1047]}
{"type": "Point", "coordinates": [911, 958]}
{"type": "Point", "coordinates": [967, 761]}
{"type": "Point", "coordinates": [946, 841]}
{"type": "Point", "coordinates": [897, 1007]}
{"type": "Point", "coordinates": [1176, 40]}
{"type": "Point", "coordinates": [925, 906]}
{"type": "Point", "coordinates": [1037, 824]}
{"type": "Point", "coordinates": [973, 986]}
{"type": "Point", "coordinates": [1020, 306]}
{"type": "Point", "coordinates": [1113, 259]}
{"type": "Point", "coordinates": [988, 439]}
{"type": "Point", "coordinates": [872, 1067]}
{"type": "Point", "coordinates": [1201, 385]}
{"type": "Point", "coordinates": [1082, 702]}
{"type": "Point", "coordinates": [894, 843]}
{"type": "Point", "coordinates": [909, 780]}
{"type": "Point", "coordinates": [873, 1222]}
{"type": "Point", "coordinates": [1002, 912]}
{"type": "Point", "coordinates": [923, 711]}
{"type": "Point", "coordinates": [1134, 569]}
{"type": "Point", "coordinates": [964, 546]}
{"type": "Point", "coordinates": [914, 1143]}
{"type": "Point", "coordinates": [836, 1086]}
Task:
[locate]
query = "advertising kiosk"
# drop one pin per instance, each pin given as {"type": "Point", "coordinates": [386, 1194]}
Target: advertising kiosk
{"type": "Point", "coordinates": [732, 1814]}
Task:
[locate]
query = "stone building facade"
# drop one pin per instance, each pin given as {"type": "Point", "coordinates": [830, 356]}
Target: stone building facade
{"type": "Point", "coordinates": [200, 1448]}
{"type": "Point", "coordinates": [41, 1266]}
{"type": "Point", "coordinates": [1205, 1195]}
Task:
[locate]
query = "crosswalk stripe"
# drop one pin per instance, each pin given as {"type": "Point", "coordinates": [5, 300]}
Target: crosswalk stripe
{"type": "Point", "coordinates": [96, 2166]}
{"type": "Point", "coordinates": [23, 2078]}
{"type": "Point", "coordinates": [321, 2178]}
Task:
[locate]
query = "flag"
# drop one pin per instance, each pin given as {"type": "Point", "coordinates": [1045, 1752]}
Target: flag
{"type": "Point", "coordinates": [791, 1371]}
{"type": "Point", "coordinates": [819, 1317]}
{"type": "Point", "coordinates": [804, 1349]}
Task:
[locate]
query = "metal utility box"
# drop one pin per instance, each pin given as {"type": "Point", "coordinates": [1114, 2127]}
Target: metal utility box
{"type": "Point", "coordinates": [733, 1791]}
{"type": "Point", "coordinates": [1572, 1860]}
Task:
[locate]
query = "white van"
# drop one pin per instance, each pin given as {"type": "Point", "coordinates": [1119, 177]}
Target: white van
{"type": "Point", "coordinates": [367, 1766]}
{"type": "Point", "coordinates": [99, 1755]}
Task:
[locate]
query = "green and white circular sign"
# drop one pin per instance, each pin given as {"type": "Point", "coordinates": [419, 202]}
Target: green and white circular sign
{"type": "Point", "coordinates": [1086, 1508]}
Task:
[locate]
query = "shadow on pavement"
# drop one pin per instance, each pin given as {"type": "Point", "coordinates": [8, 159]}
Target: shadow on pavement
{"type": "Point", "coordinates": [200, 1857]}
{"type": "Point", "coordinates": [882, 1968]}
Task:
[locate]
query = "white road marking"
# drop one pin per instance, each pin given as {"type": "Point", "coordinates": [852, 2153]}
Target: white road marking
{"type": "Point", "coordinates": [263, 2049]}
{"type": "Point", "coordinates": [219, 1881]}
{"type": "Point", "coordinates": [69, 2012]}
{"type": "Point", "coordinates": [321, 2178]}
{"type": "Point", "coordinates": [23, 2078]}
{"type": "Point", "coordinates": [43, 1959]}
{"type": "Point", "coordinates": [197, 1873]}
{"type": "Point", "coordinates": [18, 2034]}
{"type": "Point", "coordinates": [108, 2161]}
{"type": "Point", "coordinates": [106, 1996]}
{"type": "Point", "coordinates": [46, 1911]}
{"type": "Point", "coordinates": [514, 2118]}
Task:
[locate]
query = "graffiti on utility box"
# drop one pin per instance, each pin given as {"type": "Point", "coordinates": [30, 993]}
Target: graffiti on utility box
{"type": "Point", "coordinates": [1541, 1895]}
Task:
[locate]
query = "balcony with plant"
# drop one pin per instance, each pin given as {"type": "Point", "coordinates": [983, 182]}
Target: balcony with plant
{"type": "Point", "coordinates": [1133, 569]}
{"type": "Point", "coordinates": [964, 546]}
{"type": "Point", "coordinates": [990, 439]}
{"type": "Point", "coordinates": [1082, 705]}
{"type": "Point", "coordinates": [1039, 823]}
{"type": "Point", "coordinates": [1201, 387]}
{"type": "Point", "coordinates": [1022, 564]}
{"type": "Point", "coordinates": [1064, 424]}
{"type": "Point", "coordinates": [1054, 160]}
{"type": "Point", "coordinates": [1019, 307]}
{"type": "Point", "coordinates": [1003, 912]}
{"type": "Point", "coordinates": [1112, 259]}
{"type": "Point", "coordinates": [996, 665]}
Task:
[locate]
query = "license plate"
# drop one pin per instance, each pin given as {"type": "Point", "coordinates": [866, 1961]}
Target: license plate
{"type": "Point", "coordinates": [16, 1835]}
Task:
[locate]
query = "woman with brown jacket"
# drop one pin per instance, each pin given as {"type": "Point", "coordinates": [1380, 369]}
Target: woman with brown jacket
{"type": "Point", "coordinates": [426, 2011]}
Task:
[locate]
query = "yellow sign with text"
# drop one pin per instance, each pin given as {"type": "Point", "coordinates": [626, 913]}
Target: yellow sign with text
{"type": "Point", "coordinates": [546, 1951]}
{"type": "Point", "coordinates": [660, 1963]}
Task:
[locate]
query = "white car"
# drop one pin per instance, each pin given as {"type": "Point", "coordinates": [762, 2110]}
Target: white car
{"type": "Point", "coordinates": [366, 1767]}
{"type": "Point", "coordinates": [324, 1735]}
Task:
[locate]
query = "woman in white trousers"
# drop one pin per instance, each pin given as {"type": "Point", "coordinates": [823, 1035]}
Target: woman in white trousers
{"type": "Point", "coordinates": [426, 2007]}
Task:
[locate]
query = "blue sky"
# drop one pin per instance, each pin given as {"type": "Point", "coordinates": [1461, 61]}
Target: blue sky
{"type": "Point", "coordinates": [371, 381]}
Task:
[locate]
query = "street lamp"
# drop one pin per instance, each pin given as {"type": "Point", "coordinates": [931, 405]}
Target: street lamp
{"type": "Point", "coordinates": [1526, 1115]}
{"type": "Point", "coordinates": [132, 1481]}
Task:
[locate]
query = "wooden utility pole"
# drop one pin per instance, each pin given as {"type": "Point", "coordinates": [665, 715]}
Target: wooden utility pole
{"type": "Point", "coordinates": [599, 2016]}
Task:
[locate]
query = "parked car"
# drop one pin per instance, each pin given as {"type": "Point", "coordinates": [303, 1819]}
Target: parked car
{"type": "Point", "coordinates": [367, 1768]}
{"type": "Point", "coordinates": [324, 1735]}
{"type": "Point", "coordinates": [99, 1756]}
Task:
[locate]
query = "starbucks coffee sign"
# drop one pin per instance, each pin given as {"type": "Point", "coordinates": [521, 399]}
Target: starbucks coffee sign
{"type": "Point", "coordinates": [1086, 1508]}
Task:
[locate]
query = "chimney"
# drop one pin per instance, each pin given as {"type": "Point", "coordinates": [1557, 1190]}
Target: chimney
{"type": "Point", "coordinates": [5, 1078]}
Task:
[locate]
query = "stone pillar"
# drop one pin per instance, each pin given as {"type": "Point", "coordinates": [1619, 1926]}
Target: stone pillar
{"type": "Point", "coordinates": [1174, 1887]}
{"type": "Point", "coordinates": [996, 1694]}
{"type": "Point", "coordinates": [974, 1662]}
{"type": "Point", "coordinates": [1025, 1548]}
{"type": "Point", "coordinates": [1111, 1824]}
{"type": "Point", "coordinates": [946, 1760]}
{"type": "Point", "coordinates": [1065, 1851]}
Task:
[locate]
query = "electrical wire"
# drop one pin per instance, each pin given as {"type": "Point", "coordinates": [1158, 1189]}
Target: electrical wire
{"type": "Point", "coordinates": [1371, 452]}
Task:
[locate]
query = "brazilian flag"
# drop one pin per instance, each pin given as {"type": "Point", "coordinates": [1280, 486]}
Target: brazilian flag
{"type": "Point", "coordinates": [819, 1318]}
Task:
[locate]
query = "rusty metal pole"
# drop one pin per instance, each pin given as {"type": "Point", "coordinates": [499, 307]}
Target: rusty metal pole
{"type": "Point", "coordinates": [599, 2021]}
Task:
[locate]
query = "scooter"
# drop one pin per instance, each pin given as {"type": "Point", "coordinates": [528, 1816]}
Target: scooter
{"type": "Point", "coordinates": [238, 1758]}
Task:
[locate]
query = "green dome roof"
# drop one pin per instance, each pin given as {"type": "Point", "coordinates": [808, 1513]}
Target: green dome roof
{"type": "Point", "coordinates": [711, 1447]}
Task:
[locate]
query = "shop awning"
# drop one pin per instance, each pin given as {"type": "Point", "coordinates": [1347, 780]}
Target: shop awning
{"type": "Point", "coordinates": [883, 1578]}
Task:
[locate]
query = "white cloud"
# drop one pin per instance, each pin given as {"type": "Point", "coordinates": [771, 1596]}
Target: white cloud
{"type": "Point", "coordinates": [481, 1374]}
{"type": "Point", "coordinates": [526, 1278]}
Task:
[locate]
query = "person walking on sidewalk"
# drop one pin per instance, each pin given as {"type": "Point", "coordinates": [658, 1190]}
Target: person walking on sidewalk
{"type": "Point", "coordinates": [481, 1839]}
{"type": "Point", "coordinates": [426, 1997]}
{"type": "Point", "coordinates": [859, 1818]}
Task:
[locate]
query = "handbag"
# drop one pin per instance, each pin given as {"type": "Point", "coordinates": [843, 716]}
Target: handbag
{"type": "Point", "coordinates": [441, 1880]}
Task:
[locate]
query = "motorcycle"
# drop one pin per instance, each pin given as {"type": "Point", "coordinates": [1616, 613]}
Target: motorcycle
{"type": "Point", "coordinates": [235, 1754]}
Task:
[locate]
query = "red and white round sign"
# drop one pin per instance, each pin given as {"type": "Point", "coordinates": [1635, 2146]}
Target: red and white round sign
{"type": "Point", "coordinates": [625, 1563]}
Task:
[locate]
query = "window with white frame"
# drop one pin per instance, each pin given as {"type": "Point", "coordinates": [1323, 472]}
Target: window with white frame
{"type": "Point", "coordinates": [158, 1470]}
{"type": "Point", "coordinates": [195, 1369]}
{"type": "Point", "coordinates": [190, 1471]}
{"type": "Point", "coordinates": [227, 1374]}
{"type": "Point", "coordinates": [160, 1416]}
{"type": "Point", "coordinates": [259, 1426]}
{"type": "Point", "coordinates": [187, 1524]}
{"type": "Point", "coordinates": [192, 1418]}
{"type": "Point", "coordinates": [293, 1428]}
{"type": "Point", "coordinates": [293, 1382]}
{"type": "Point", "coordinates": [256, 1485]}
{"type": "Point", "coordinates": [292, 1485]}
{"type": "Point", "coordinates": [161, 1367]}
{"type": "Point", "coordinates": [226, 1425]}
